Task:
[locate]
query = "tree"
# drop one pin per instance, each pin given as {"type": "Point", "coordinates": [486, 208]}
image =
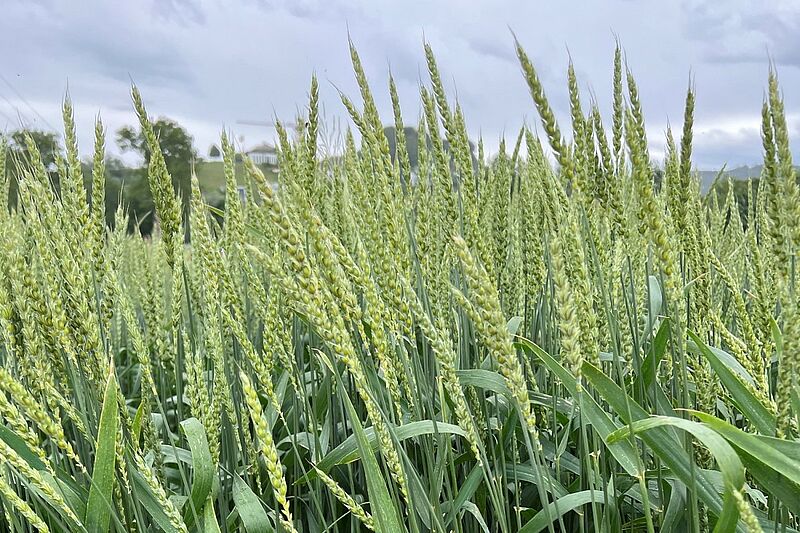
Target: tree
{"type": "Point", "coordinates": [124, 185]}
{"type": "Point", "coordinates": [214, 152]}
{"type": "Point", "coordinates": [720, 188]}
{"type": "Point", "coordinates": [177, 146]}
{"type": "Point", "coordinates": [45, 141]}
{"type": "Point", "coordinates": [411, 143]}
{"type": "Point", "coordinates": [412, 146]}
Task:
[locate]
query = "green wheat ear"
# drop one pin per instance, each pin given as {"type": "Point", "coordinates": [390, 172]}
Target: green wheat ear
{"type": "Point", "coordinates": [489, 337]}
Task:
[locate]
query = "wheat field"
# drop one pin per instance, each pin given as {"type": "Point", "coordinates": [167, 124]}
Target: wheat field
{"type": "Point", "coordinates": [547, 339]}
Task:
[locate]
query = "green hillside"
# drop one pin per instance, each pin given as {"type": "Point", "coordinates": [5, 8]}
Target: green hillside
{"type": "Point", "coordinates": [707, 177]}
{"type": "Point", "coordinates": [211, 176]}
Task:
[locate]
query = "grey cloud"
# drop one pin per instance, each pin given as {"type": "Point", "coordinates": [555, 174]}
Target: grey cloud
{"type": "Point", "coordinates": [718, 147]}
{"type": "Point", "coordinates": [313, 10]}
{"type": "Point", "coordinates": [735, 146]}
{"type": "Point", "coordinates": [402, 54]}
{"type": "Point", "coordinates": [738, 32]}
{"type": "Point", "coordinates": [146, 62]}
{"type": "Point", "coordinates": [180, 11]}
{"type": "Point", "coordinates": [43, 4]}
{"type": "Point", "coordinates": [211, 62]}
{"type": "Point", "coordinates": [501, 50]}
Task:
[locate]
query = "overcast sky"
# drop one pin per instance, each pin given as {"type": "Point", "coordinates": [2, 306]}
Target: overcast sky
{"type": "Point", "coordinates": [210, 63]}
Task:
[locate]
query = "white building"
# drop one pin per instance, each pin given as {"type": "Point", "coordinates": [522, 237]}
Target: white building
{"type": "Point", "coordinates": [263, 154]}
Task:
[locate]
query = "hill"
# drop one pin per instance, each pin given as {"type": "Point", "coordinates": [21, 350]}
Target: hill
{"type": "Point", "coordinates": [707, 177]}
{"type": "Point", "coordinates": [211, 175]}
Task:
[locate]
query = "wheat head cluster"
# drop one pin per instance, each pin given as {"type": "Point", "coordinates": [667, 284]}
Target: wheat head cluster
{"type": "Point", "coordinates": [547, 339]}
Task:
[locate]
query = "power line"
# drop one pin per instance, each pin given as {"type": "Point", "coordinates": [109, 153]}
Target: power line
{"type": "Point", "coordinates": [3, 78]}
{"type": "Point", "coordinates": [21, 118]}
{"type": "Point", "coordinates": [8, 119]}
{"type": "Point", "coordinates": [269, 124]}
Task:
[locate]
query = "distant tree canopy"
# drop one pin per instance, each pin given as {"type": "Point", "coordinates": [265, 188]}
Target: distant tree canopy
{"type": "Point", "coordinates": [412, 140]}
{"type": "Point", "coordinates": [412, 144]}
{"type": "Point", "coordinates": [129, 186]}
{"type": "Point", "coordinates": [123, 183]}
{"type": "Point", "coordinates": [721, 187]}
{"type": "Point", "coordinates": [177, 146]}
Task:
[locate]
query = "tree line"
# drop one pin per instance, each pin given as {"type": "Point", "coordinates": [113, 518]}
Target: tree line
{"type": "Point", "coordinates": [124, 183]}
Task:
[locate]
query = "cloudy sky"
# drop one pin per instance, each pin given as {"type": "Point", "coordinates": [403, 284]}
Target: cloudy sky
{"type": "Point", "coordinates": [210, 63]}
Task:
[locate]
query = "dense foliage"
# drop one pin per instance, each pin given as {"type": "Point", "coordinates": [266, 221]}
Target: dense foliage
{"type": "Point", "coordinates": [123, 184]}
{"type": "Point", "coordinates": [504, 345]}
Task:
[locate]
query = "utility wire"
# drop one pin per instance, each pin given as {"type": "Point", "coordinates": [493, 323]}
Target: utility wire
{"type": "Point", "coordinates": [35, 112]}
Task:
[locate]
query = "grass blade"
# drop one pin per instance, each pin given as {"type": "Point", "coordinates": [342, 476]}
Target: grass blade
{"type": "Point", "coordinates": [387, 518]}
{"type": "Point", "coordinates": [203, 469]}
{"type": "Point", "coordinates": [254, 517]}
{"type": "Point", "coordinates": [99, 506]}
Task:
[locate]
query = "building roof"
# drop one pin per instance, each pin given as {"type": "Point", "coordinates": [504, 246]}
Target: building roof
{"type": "Point", "coordinates": [263, 148]}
